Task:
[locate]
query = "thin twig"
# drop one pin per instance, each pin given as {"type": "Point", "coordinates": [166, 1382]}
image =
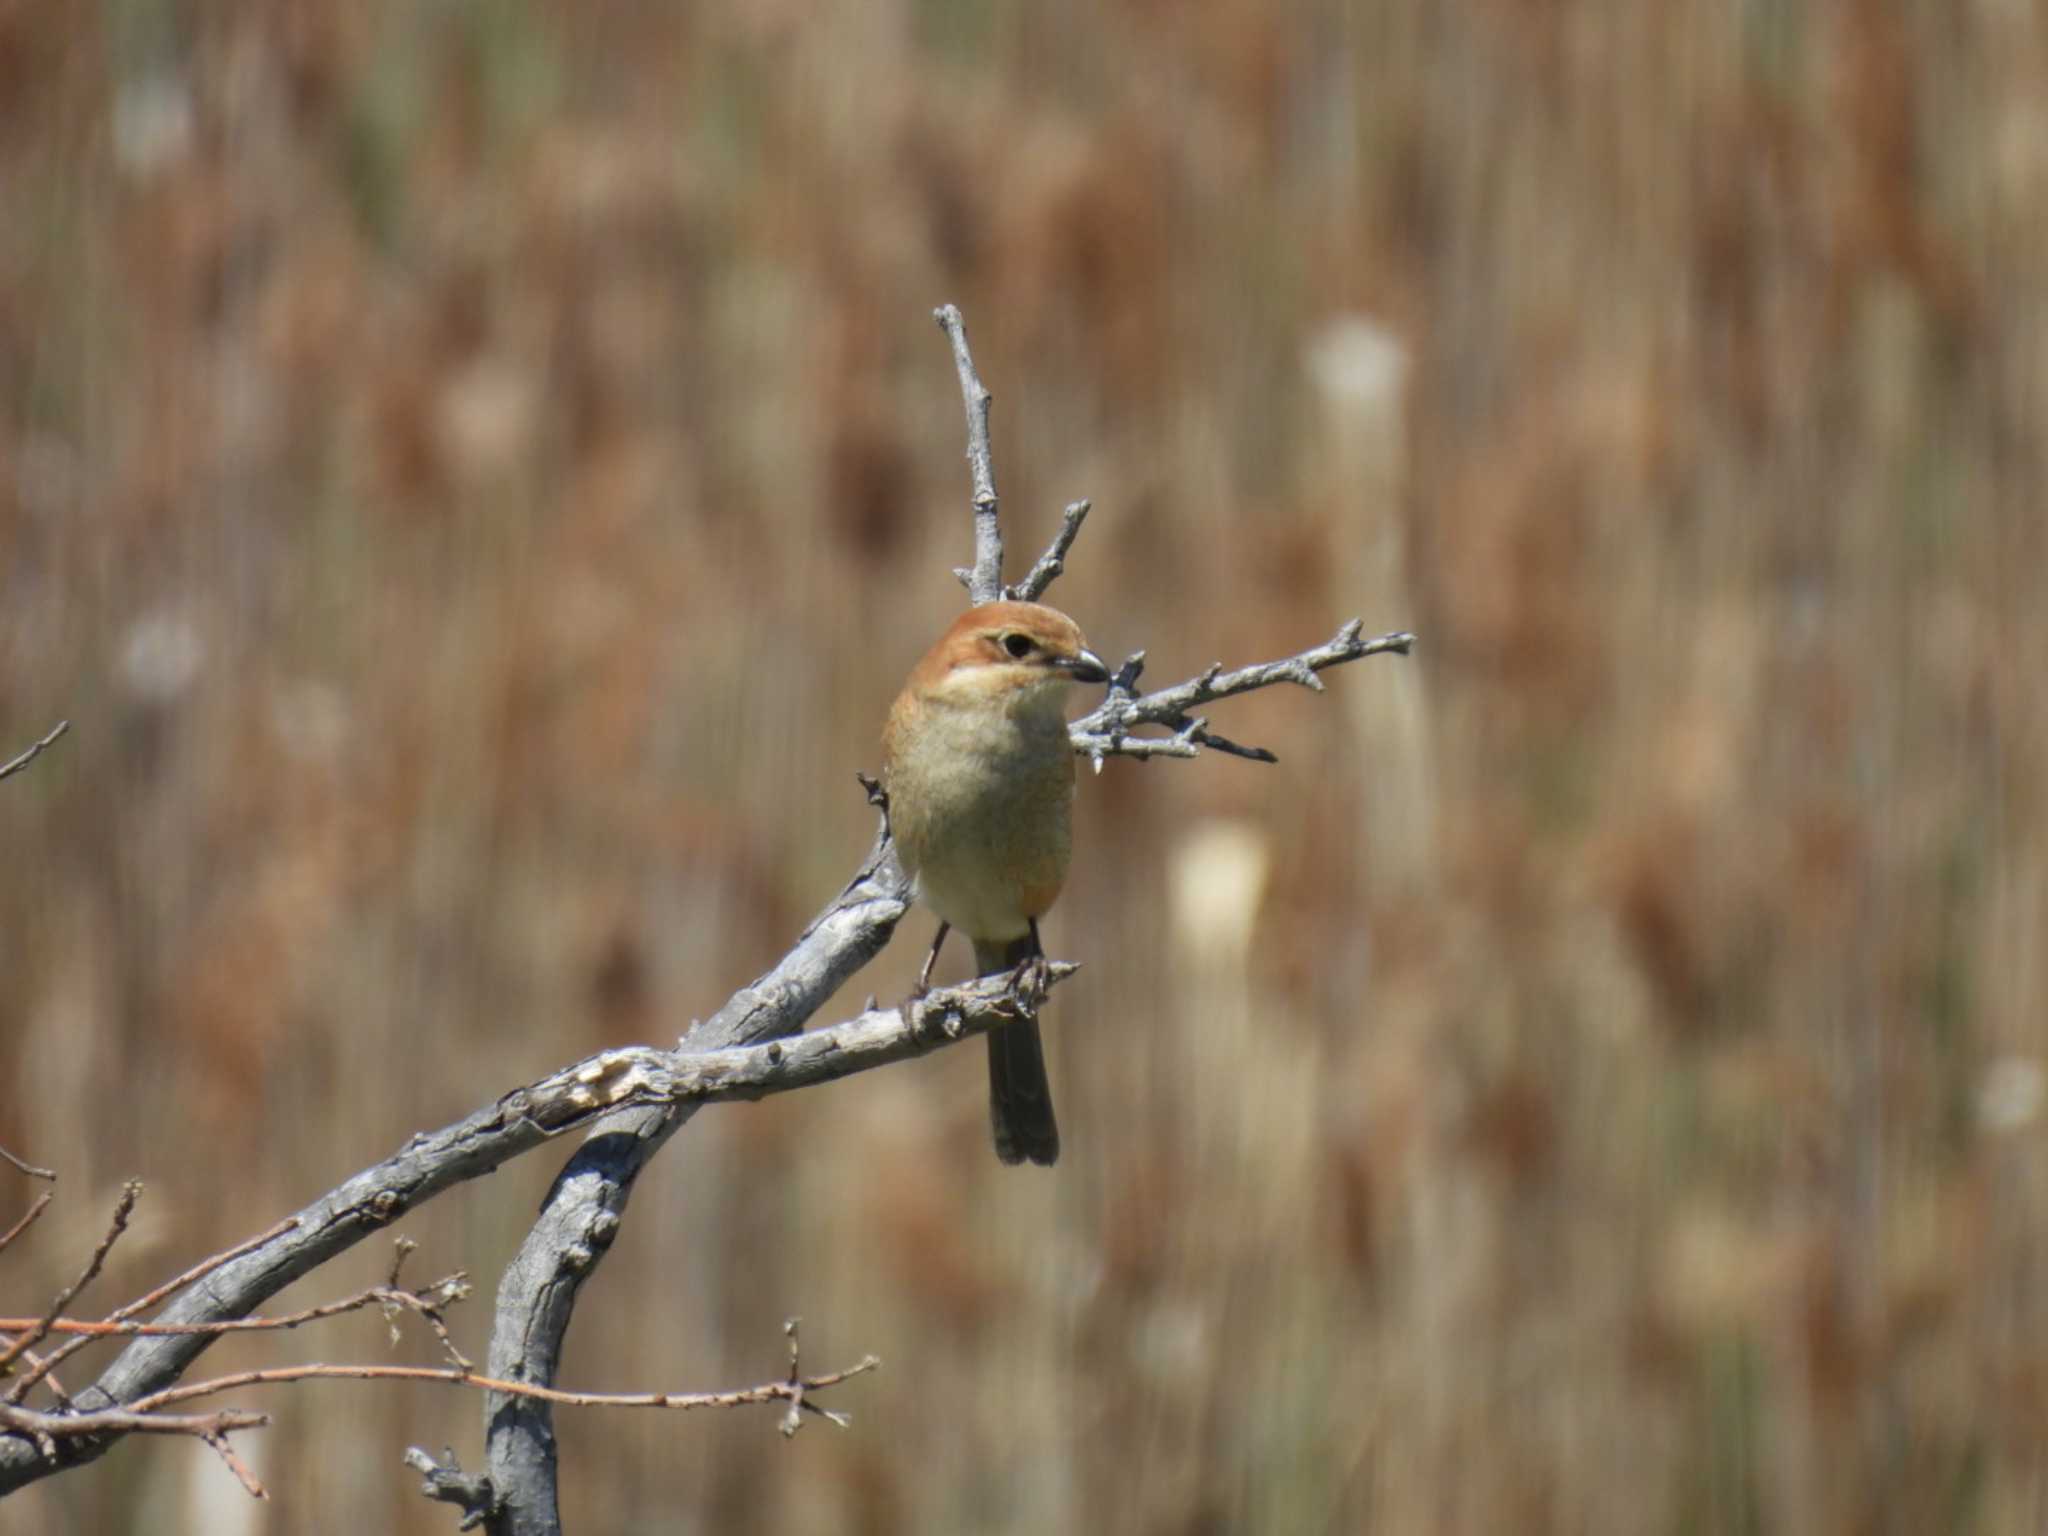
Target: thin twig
{"type": "Point", "coordinates": [847, 932]}
{"type": "Point", "coordinates": [148, 1414]}
{"type": "Point", "coordinates": [1046, 569]}
{"type": "Point", "coordinates": [200, 1271]}
{"type": "Point", "coordinates": [6, 1156]}
{"type": "Point", "coordinates": [28, 1219]}
{"type": "Point", "coordinates": [985, 582]}
{"type": "Point", "coordinates": [41, 1369]}
{"type": "Point", "coordinates": [448, 1376]}
{"type": "Point", "coordinates": [30, 1421]}
{"type": "Point", "coordinates": [235, 1464]}
{"type": "Point", "coordinates": [1106, 730]}
{"type": "Point", "coordinates": [130, 1193]}
{"type": "Point", "coordinates": [428, 1303]}
{"type": "Point", "coordinates": [15, 765]}
{"type": "Point", "coordinates": [46, 1429]}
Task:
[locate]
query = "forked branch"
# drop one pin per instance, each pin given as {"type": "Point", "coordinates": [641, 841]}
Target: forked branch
{"type": "Point", "coordinates": [1105, 731]}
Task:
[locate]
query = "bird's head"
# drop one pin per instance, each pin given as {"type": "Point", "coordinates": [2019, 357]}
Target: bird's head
{"type": "Point", "coordinates": [1025, 650]}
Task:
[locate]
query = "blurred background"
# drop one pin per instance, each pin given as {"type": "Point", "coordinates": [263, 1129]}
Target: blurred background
{"type": "Point", "coordinates": [475, 475]}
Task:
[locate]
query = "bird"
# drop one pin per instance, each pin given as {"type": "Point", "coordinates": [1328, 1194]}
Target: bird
{"type": "Point", "coordinates": [979, 778]}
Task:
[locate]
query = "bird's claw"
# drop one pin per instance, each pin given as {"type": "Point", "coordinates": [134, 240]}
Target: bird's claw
{"type": "Point", "coordinates": [907, 1009]}
{"type": "Point", "coordinates": [1031, 981]}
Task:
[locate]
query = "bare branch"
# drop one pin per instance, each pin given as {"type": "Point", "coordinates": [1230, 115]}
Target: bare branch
{"type": "Point", "coordinates": [1105, 730]}
{"type": "Point", "coordinates": [8, 1157]}
{"type": "Point", "coordinates": [46, 1431]}
{"type": "Point", "coordinates": [1046, 569]}
{"type": "Point", "coordinates": [130, 1421]}
{"type": "Point", "coordinates": [637, 1080]}
{"type": "Point", "coordinates": [427, 1303]}
{"type": "Point", "coordinates": [790, 1391]}
{"type": "Point", "coordinates": [200, 1271]}
{"type": "Point", "coordinates": [123, 1207]}
{"type": "Point", "coordinates": [985, 582]}
{"type": "Point", "coordinates": [478, 1495]}
{"type": "Point", "coordinates": [150, 1413]}
{"type": "Point", "coordinates": [39, 1370]}
{"type": "Point", "coordinates": [632, 1075]}
{"type": "Point", "coordinates": [28, 1219]}
{"type": "Point", "coordinates": [15, 765]}
{"type": "Point", "coordinates": [537, 1295]}
{"type": "Point", "coordinates": [219, 1442]}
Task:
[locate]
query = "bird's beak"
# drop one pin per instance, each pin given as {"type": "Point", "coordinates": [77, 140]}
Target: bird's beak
{"type": "Point", "coordinates": [1084, 667]}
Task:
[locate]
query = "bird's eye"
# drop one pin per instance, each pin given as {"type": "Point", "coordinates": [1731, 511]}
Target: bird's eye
{"type": "Point", "coordinates": [1017, 645]}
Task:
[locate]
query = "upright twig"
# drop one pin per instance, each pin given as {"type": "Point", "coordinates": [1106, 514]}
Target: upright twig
{"type": "Point", "coordinates": [1046, 569]}
{"type": "Point", "coordinates": [984, 583]}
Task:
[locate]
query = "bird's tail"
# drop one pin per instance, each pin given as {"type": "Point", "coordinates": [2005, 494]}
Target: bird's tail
{"type": "Point", "coordinates": [1019, 1096]}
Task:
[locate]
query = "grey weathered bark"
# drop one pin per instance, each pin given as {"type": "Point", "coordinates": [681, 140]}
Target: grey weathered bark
{"type": "Point", "coordinates": [737, 1054]}
{"type": "Point", "coordinates": [582, 1213]}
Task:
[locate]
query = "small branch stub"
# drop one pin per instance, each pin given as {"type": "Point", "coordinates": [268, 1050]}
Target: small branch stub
{"type": "Point", "coordinates": [446, 1481]}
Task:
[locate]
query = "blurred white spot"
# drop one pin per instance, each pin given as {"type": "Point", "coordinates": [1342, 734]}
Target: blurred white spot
{"type": "Point", "coordinates": [152, 124]}
{"type": "Point", "coordinates": [311, 721]}
{"type": "Point", "coordinates": [1216, 882]}
{"type": "Point", "coordinates": [2009, 1098]}
{"type": "Point", "coordinates": [1358, 362]}
{"type": "Point", "coordinates": [487, 415]}
{"type": "Point", "coordinates": [1172, 1343]}
{"type": "Point", "coordinates": [160, 656]}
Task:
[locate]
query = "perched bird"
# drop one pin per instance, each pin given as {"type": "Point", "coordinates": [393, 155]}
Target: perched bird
{"type": "Point", "coordinates": [980, 779]}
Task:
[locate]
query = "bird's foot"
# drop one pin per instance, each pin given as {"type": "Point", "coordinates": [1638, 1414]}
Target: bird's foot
{"type": "Point", "coordinates": [1031, 981]}
{"type": "Point", "coordinates": [907, 1009]}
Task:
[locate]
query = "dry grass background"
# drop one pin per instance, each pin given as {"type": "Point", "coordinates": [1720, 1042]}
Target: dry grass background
{"type": "Point", "coordinates": [475, 475]}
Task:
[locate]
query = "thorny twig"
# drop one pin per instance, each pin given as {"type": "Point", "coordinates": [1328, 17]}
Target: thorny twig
{"type": "Point", "coordinates": [1105, 730]}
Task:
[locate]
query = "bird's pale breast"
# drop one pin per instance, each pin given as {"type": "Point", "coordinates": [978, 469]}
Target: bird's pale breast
{"type": "Point", "coordinates": [980, 802]}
